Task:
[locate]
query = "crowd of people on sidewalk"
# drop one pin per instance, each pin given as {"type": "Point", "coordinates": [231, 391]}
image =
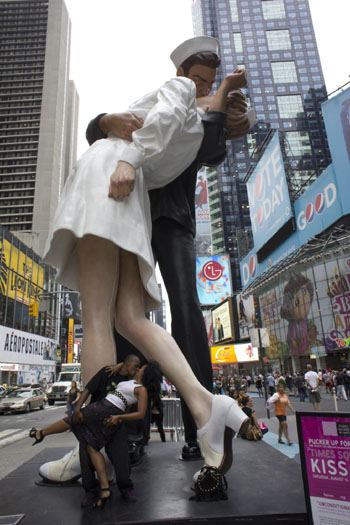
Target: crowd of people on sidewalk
{"type": "Point", "coordinates": [296, 383]}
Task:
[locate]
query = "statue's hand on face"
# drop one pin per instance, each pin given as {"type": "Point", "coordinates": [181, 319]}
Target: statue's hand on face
{"type": "Point", "coordinates": [236, 80]}
{"type": "Point", "coordinates": [122, 181]}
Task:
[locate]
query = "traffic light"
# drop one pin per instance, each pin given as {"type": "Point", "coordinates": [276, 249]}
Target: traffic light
{"type": "Point", "coordinates": [34, 309]}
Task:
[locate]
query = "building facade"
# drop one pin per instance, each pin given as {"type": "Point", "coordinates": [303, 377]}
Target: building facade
{"type": "Point", "coordinates": [28, 343]}
{"type": "Point", "coordinates": [300, 293]}
{"type": "Point", "coordinates": [38, 108]}
{"type": "Point", "coordinates": [274, 41]}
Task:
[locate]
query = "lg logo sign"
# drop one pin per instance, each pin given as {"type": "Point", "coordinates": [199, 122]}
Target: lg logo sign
{"type": "Point", "coordinates": [212, 271]}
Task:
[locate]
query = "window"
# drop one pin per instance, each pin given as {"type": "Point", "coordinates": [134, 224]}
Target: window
{"type": "Point", "coordinates": [290, 106]}
{"type": "Point", "coordinates": [237, 39]}
{"type": "Point", "coordinates": [284, 72]}
{"type": "Point", "coordinates": [278, 40]}
{"type": "Point", "coordinates": [273, 9]}
{"type": "Point", "coordinates": [299, 143]}
{"type": "Point", "coordinates": [234, 11]}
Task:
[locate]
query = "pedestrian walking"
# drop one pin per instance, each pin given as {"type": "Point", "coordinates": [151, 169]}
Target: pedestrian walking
{"type": "Point", "coordinates": [327, 382]}
{"type": "Point", "coordinates": [280, 401]}
{"type": "Point", "coordinates": [289, 382]}
{"type": "Point", "coordinates": [312, 385]}
{"type": "Point", "coordinates": [340, 377]}
{"type": "Point", "coordinates": [270, 381]}
{"type": "Point", "coordinates": [299, 384]}
{"type": "Point", "coordinates": [347, 382]}
{"type": "Point", "coordinates": [258, 384]}
{"type": "Point", "coordinates": [73, 396]}
{"type": "Point", "coordinates": [157, 415]}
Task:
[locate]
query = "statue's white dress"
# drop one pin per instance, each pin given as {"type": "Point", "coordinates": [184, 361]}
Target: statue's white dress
{"type": "Point", "coordinates": [165, 146]}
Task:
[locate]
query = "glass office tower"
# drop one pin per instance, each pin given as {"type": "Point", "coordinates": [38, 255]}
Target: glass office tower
{"type": "Point", "coordinates": [275, 41]}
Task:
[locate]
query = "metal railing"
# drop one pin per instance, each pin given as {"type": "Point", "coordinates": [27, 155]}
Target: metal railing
{"type": "Point", "coordinates": [172, 419]}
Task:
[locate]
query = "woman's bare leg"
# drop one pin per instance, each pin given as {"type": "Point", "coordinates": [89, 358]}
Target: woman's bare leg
{"type": "Point", "coordinates": [98, 261]}
{"type": "Point", "coordinates": [280, 430]}
{"type": "Point", "coordinates": [154, 342]}
{"type": "Point", "coordinates": [56, 428]}
{"type": "Point", "coordinates": [285, 430]}
{"type": "Point", "coordinates": [99, 464]}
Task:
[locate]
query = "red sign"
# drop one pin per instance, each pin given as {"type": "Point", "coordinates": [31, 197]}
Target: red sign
{"type": "Point", "coordinates": [212, 270]}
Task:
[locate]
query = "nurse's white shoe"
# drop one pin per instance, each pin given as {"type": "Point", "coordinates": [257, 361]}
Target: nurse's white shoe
{"type": "Point", "coordinates": [215, 437]}
{"type": "Point", "coordinates": [67, 469]}
{"type": "Point", "coordinates": [64, 470]}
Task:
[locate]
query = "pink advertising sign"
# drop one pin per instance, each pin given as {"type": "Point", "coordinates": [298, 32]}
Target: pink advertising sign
{"type": "Point", "coordinates": [324, 440]}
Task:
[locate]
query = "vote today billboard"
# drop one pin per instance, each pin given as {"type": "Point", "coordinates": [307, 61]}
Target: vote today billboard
{"type": "Point", "coordinates": [323, 203]}
{"type": "Point", "coordinates": [324, 440]}
{"type": "Point", "coordinates": [269, 203]}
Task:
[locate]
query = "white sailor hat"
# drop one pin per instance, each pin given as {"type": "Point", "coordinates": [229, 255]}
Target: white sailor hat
{"type": "Point", "coordinates": [198, 44]}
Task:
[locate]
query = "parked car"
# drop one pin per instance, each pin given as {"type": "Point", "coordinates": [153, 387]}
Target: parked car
{"type": "Point", "coordinates": [22, 400]}
{"type": "Point", "coordinates": [2, 391]}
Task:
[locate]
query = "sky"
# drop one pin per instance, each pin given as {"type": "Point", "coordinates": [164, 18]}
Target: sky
{"type": "Point", "coordinates": [120, 50]}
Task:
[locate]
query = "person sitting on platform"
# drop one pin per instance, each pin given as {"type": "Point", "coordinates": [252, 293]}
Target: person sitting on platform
{"type": "Point", "coordinates": [96, 424]}
{"type": "Point", "coordinates": [253, 432]}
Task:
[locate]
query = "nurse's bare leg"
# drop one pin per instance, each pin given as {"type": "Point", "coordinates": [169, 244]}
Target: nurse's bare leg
{"type": "Point", "coordinates": [98, 261]}
{"type": "Point", "coordinates": [156, 343]}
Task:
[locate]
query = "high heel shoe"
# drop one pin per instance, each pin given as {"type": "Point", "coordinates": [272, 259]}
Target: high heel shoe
{"type": "Point", "coordinates": [101, 502]}
{"type": "Point", "coordinates": [33, 432]}
{"type": "Point", "coordinates": [215, 437]}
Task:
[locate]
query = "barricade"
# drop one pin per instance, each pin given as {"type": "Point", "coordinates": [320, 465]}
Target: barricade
{"type": "Point", "coordinates": [172, 419]}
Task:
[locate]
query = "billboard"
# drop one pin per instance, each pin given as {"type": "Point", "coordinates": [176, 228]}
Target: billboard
{"type": "Point", "coordinates": [223, 355]}
{"type": "Point", "coordinates": [25, 348]}
{"type": "Point", "coordinates": [223, 327]}
{"type": "Point", "coordinates": [246, 353]}
{"type": "Point", "coordinates": [324, 440]}
{"type": "Point", "coordinates": [208, 320]}
{"type": "Point", "coordinates": [308, 313]}
{"type": "Point", "coordinates": [246, 316]}
{"type": "Point", "coordinates": [336, 115]}
{"type": "Point", "coordinates": [213, 279]}
{"type": "Point", "coordinates": [230, 354]}
{"type": "Point", "coordinates": [324, 202]}
{"type": "Point", "coordinates": [318, 208]}
{"type": "Point", "coordinates": [22, 279]}
{"type": "Point", "coordinates": [71, 306]}
{"type": "Point", "coordinates": [269, 203]}
{"type": "Point", "coordinates": [203, 231]}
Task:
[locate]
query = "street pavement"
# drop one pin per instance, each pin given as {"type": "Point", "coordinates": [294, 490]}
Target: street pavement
{"type": "Point", "coordinates": [16, 447]}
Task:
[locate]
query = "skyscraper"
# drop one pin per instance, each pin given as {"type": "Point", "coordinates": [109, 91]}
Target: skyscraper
{"type": "Point", "coordinates": [38, 109]}
{"type": "Point", "coordinates": [275, 41]}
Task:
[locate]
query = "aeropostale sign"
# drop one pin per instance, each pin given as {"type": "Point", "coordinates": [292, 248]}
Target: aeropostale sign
{"type": "Point", "coordinates": [25, 348]}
